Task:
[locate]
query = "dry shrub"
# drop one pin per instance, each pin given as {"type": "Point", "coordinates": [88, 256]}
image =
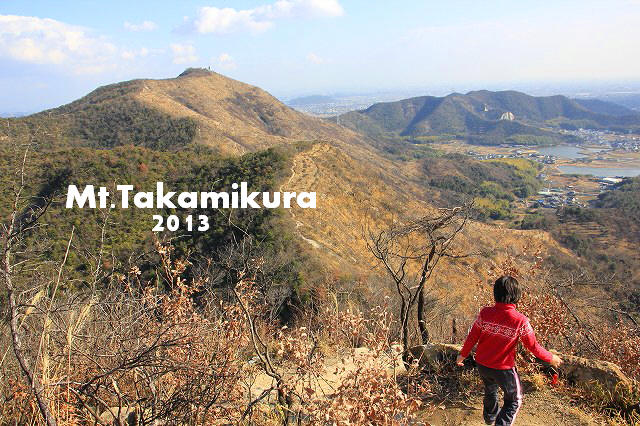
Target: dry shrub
{"type": "Point", "coordinates": [555, 326]}
{"type": "Point", "coordinates": [140, 352]}
{"type": "Point", "coordinates": [165, 350]}
{"type": "Point", "coordinates": [368, 390]}
{"type": "Point", "coordinates": [621, 344]}
{"type": "Point", "coordinates": [367, 395]}
{"type": "Point", "coordinates": [622, 405]}
{"type": "Point", "coordinates": [548, 316]}
{"type": "Point", "coordinates": [17, 402]}
{"type": "Point", "coordinates": [538, 381]}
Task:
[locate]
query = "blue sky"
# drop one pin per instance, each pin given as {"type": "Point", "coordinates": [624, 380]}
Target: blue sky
{"type": "Point", "coordinates": [52, 52]}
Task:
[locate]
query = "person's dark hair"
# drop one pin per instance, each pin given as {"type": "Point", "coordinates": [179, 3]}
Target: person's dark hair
{"type": "Point", "coordinates": [506, 290]}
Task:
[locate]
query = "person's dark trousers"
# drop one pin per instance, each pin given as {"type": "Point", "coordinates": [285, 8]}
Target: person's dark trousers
{"type": "Point", "coordinates": [509, 382]}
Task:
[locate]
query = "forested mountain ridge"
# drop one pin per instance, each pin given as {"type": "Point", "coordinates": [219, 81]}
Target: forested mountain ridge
{"type": "Point", "coordinates": [488, 117]}
{"type": "Point", "coordinates": [198, 106]}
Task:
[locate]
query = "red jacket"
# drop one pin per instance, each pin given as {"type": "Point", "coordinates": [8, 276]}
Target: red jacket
{"type": "Point", "coordinates": [497, 331]}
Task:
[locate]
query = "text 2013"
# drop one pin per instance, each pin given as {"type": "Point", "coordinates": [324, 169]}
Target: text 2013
{"type": "Point", "coordinates": [173, 223]}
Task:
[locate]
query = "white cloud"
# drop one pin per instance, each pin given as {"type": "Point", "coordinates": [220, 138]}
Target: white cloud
{"type": "Point", "coordinates": [225, 62]}
{"type": "Point", "coordinates": [315, 59]}
{"type": "Point", "coordinates": [183, 53]}
{"type": "Point", "coordinates": [302, 9]}
{"type": "Point", "coordinates": [226, 20]}
{"type": "Point", "coordinates": [47, 41]}
{"type": "Point", "coordinates": [143, 26]}
{"type": "Point", "coordinates": [222, 21]}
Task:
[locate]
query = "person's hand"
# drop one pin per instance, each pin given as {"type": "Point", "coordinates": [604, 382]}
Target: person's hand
{"type": "Point", "coordinates": [460, 360]}
{"type": "Point", "coordinates": [556, 361]}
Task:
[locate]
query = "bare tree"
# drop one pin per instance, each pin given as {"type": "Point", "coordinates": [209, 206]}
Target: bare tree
{"type": "Point", "coordinates": [409, 252]}
{"type": "Point", "coordinates": [21, 220]}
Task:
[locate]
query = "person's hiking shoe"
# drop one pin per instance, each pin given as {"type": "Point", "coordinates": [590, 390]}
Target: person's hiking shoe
{"type": "Point", "coordinates": [489, 422]}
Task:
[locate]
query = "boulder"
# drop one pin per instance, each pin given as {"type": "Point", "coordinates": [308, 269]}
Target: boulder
{"type": "Point", "coordinates": [584, 371]}
{"type": "Point", "coordinates": [434, 354]}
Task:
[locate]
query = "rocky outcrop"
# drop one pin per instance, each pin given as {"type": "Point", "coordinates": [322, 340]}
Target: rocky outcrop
{"type": "Point", "coordinates": [432, 355]}
{"type": "Point", "coordinates": [574, 370]}
{"type": "Point", "coordinates": [583, 371]}
{"type": "Point", "coordinates": [508, 116]}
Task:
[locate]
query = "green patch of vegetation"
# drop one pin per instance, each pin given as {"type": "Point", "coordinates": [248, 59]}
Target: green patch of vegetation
{"type": "Point", "coordinates": [405, 151]}
{"type": "Point", "coordinates": [107, 117]}
{"type": "Point", "coordinates": [128, 122]}
{"type": "Point", "coordinates": [538, 220]}
{"type": "Point", "coordinates": [495, 191]}
{"type": "Point", "coordinates": [624, 196]}
{"type": "Point", "coordinates": [128, 232]}
{"type": "Point", "coordinates": [578, 243]}
{"type": "Point", "coordinates": [545, 139]}
{"type": "Point", "coordinates": [578, 214]}
{"type": "Point", "coordinates": [495, 184]}
{"type": "Point", "coordinates": [527, 172]}
{"type": "Point", "coordinates": [430, 138]}
{"type": "Point", "coordinates": [492, 208]}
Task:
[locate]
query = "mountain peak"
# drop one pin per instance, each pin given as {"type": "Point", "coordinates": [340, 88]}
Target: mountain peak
{"type": "Point", "coordinates": [196, 72]}
{"type": "Point", "coordinates": [200, 106]}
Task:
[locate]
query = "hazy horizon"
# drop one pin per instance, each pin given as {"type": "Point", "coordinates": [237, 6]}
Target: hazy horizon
{"type": "Point", "coordinates": [52, 54]}
{"type": "Point", "coordinates": [594, 89]}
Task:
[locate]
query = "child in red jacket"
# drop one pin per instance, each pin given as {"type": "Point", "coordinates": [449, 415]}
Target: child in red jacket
{"type": "Point", "coordinates": [497, 331]}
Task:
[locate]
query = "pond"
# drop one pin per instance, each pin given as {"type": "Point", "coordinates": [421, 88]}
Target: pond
{"type": "Point", "coordinates": [601, 171]}
{"type": "Point", "coordinates": [566, 151]}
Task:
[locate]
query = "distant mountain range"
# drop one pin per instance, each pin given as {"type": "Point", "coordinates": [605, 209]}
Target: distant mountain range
{"type": "Point", "coordinates": [600, 106]}
{"type": "Point", "coordinates": [629, 100]}
{"type": "Point", "coordinates": [490, 117]}
{"type": "Point", "coordinates": [310, 100]}
{"type": "Point", "coordinates": [13, 114]}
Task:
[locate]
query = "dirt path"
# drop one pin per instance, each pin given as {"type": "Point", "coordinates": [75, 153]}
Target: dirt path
{"type": "Point", "coordinates": [306, 176]}
{"type": "Point", "coordinates": [336, 368]}
{"type": "Point", "coordinates": [543, 408]}
{"type": "Point", "coordinates": [547, 407]}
